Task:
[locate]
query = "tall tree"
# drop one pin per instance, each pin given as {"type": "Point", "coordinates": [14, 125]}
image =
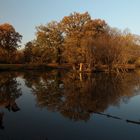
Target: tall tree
{"type": "Point", "coordinates": [9, 39]}
{"type": "Point", "coordinates": [50, 36]}
{"type": "Point", "coordinates": [72, 27]}
{"type": "Point", "coordinates": [28, 52]}
{"type": "Point", "coordinates": [92, 30]}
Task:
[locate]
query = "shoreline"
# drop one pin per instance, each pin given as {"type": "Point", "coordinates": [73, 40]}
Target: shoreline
{"type": "Point", "coordinates": [22, 67]}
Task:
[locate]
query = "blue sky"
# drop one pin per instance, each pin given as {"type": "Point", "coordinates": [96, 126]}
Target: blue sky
{"type": "Point", "coordinates": [25, 15]}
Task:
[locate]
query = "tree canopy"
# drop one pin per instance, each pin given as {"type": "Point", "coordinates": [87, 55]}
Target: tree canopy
{"type": "Point", "coordinates": [9, 40]}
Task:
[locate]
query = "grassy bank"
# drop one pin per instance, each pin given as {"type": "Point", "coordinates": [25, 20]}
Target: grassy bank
{"type": "Point", "coordinates": [21, 67]}
{"type": "Point", "coordinates": [14, 67]}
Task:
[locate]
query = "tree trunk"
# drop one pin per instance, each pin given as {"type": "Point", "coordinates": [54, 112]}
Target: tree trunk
{"type": "Point", "coordinates": [81, 67]}
{"type": "Point", "coordinates": [80, 77]}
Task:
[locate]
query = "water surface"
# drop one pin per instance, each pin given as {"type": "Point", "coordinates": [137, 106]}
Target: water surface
{"type": "Point", "coordinates": [60, 105]}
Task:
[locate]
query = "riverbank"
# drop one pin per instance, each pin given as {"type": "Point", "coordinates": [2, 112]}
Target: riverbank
{"type": "Point", "coordinates": [15, 67]}
{"type": "Point", "coordinates": [101, 68]}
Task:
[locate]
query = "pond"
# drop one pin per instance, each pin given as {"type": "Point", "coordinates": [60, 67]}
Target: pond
{"type": "Point", "coordinates": [62, 105]}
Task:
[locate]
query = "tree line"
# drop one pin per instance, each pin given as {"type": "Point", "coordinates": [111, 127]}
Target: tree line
{"type": "Point", "coordinates": [77, 40]}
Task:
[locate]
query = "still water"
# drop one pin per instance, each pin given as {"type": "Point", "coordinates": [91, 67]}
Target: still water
{"type": "Point", "coordinates": [60, 105]}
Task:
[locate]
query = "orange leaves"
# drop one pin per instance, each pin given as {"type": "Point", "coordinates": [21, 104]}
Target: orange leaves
{"type": "Point", "coordinates": [74, 22]}
{"type": "Point", "coordinates": [9, 38]}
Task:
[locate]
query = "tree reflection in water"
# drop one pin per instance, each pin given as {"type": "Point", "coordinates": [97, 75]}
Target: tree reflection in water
{"type": "Point", "coordinates": [9, 92]}
{"type": "Point", "coordinates": [77, 96]}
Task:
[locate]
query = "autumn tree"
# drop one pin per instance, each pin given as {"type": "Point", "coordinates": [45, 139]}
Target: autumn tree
{"type": "Point", "coordinates": [92, 30]}
{"type": "Point", "coordinates": [3, 56]}
{"type": "Point", "coordinates": [49, 38]}
{"type": "Point", "coordinates": [95, 28]}
{"type": "Point", "coordinates": [28, 51]}
{"type": "Point", "coordinates": [33, 53]}
{"type": "Point", "coordinates": [9, 39]}
{"type": "Point", "coordinates": [72, 27]}
{"type": "Point", "coordinates": [109, 51]}
{"type": "Point", "coordinates": [81, 32]}
{"type": "Point", "coordinates": [104, 45]}
{"type": "Point", "coordinates": [131, 43]}
{"type": "Point", "coordinates": [83, 42]}
{"type": "Point", "coordinates": [19, 57]}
